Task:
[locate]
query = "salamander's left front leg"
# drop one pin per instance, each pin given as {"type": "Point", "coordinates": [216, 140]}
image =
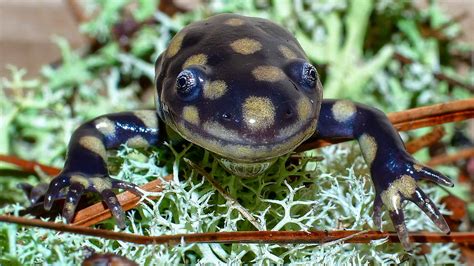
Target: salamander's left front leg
{"type": "Point", "coordinates": [394, 172]}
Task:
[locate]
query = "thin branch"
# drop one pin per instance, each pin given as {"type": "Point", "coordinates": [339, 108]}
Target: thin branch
{"type": "Point", "coordinates": [425, 140]}
{"type": "Point", "coordinates": [415, 118]}
{"type": "Point", "coordinates": [446, 159]}
{"type": "Point", "coordinates": [441, 109]}
{"type": "Point", "coordinates": [434, 120]}
{"type": "Point", "coordinates": [438, 75]}
{"type": "Point", "coordinates": [77, 11]}
{"type": "Point", "coordinates": [29, 166]}
{"type": "Point", "coordinates": [99, 212]}
{"type": "Point", "coordinates": [452, 81]}
{"type": "Point", "coordinates": [224, 194]}
{"type": "Point", "coordinates": [279, 237]}
{"type": "Point", "coordinates": [345, 239]}
{"type": "Point", "coordinates": [438, 33]}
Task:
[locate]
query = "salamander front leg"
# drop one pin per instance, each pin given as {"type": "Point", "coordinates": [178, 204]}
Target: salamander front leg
{"type": "Point", "coordinates": [394, 172]}
{"type": "Point", "coordinates": [85, 169]}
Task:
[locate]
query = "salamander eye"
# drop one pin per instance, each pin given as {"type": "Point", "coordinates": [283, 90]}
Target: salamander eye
{"type": "Point", "coordinates": [303, 74]}
{"type": "Point", "coordinates": [189, 84]}
{"type": "Point", "coordinates": [185, 82]}
{"type": "Point", "coordinates": [310, 75]}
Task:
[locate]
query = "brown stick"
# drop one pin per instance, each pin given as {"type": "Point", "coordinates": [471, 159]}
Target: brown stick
{"type": "Point", "coordinates": [434, 120]}
{"type": "Point", "coordinates": [228, 198]}
{"type": "Point", "coordinates": [446, 159]}
{"type": "Point", "coordinates": [441, 109]}
{"type": "Point", "coordinates": [425, 140]}
{"type": "Point", "coordinates": [415, 118]}
{"type": "Point", "coordinates": [99, 212]}
{"type": "Point", "coordinates": [29, 166]}
{"type": "Point", "coordinates": [77, 11]}
{"type": "Point", "coordinates": [280, 237]}
{"type": "Point", "coordinates": [453, 82]}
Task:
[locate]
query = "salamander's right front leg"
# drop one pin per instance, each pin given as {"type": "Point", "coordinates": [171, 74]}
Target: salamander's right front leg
{"type": "Point", "coordinates": [86, 164]}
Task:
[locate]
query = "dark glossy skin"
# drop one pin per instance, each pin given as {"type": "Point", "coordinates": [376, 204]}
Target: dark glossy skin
{"type": "Point", "coordinates": [108, 259]}
{"type": "Point", "coordinates": [242, 88]}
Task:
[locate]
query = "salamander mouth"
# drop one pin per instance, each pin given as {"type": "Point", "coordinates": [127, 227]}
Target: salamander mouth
{"type": "Point", "coordinates": [246, 153]}
{"type": "Point", "coordinates": [245, 169]}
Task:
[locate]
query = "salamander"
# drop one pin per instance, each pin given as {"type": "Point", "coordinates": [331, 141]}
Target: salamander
{"type": "Point", "coordinates": [243, 89]}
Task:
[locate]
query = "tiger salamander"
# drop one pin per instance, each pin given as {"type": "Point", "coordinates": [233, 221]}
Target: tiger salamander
{"type": "Point", "coordinates": [243, 88]}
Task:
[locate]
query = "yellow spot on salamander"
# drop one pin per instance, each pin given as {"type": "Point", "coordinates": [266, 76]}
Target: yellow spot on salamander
{"type": "Point", "coordinates": [268, 73]}
{"type": "Point", "coordinates": [287, 52]}
{"type": "Point", "coordinates": [417, 167]}
{"type": "Point", "coordinates": [100, 184]}
{"type": "Point", "coordinates": [95, 145]}
{"type": "Point", "coordinates": [175, 45]}
{"type": "Point", "coordinates": [198, 59]}
{"type": "Point", "coordinates": [105, 126]}
{"type": "Point", "coordinates": [191, 114]}
{"type": "Point", "coordinates": [258, 112]}
{"type": "Point", "coordinates": [219, 131]}
{"type": "Point", "coordinates": [81, 180]}
{"type": "Point", "coordinates": [404, 186]}
{"type": "Point", "coordinates": [304, 108]}
{"type": "Point", "coordinates": [69, 207]}
{"type": "Point", "coordinates": [137, 142]}
{"type": "Point", "coordinates": [214, 89]}
{"type": "Point", "coordinates": [234, 22]}
{"type": "Point", "coordinates": [246, 46]}
{"type": "Point", "coordinates": [343, 110]}
{"type": "Point", "coordinates": [368, 146]}
{"type": "Point", "coordinates": [148, 118]}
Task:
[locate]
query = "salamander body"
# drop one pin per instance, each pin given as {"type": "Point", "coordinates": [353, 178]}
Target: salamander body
{"type": "Point", "coordinates": [243, 88]}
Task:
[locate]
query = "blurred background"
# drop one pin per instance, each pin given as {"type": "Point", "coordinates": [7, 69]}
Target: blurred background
{"type": "Point", "coordinates": [26, 28]}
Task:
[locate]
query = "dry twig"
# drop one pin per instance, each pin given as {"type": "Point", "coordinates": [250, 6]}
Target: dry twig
{"type": "Point", "coordinates": [29, 166]}
{"type": "Point", "coordinates": [280, 237]}
{"type": "Point", "coordinates": [438, 75]}
{"type": "Point", "coordinates": [454, 111]}
{"type": "Point", "coordinates": [99, 212]}
{"type": "Point", "coordinates": [233, 202]}
{"type": "Point", "coordinates": [425, 140]}
{"type": "Point", "coordinates": [77, 11]}
{"type": "Point", "coordinates": [446, 159]}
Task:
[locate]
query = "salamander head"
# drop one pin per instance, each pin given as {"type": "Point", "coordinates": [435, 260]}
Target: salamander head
{"type": "Point", "coordinates": [239, 87]}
